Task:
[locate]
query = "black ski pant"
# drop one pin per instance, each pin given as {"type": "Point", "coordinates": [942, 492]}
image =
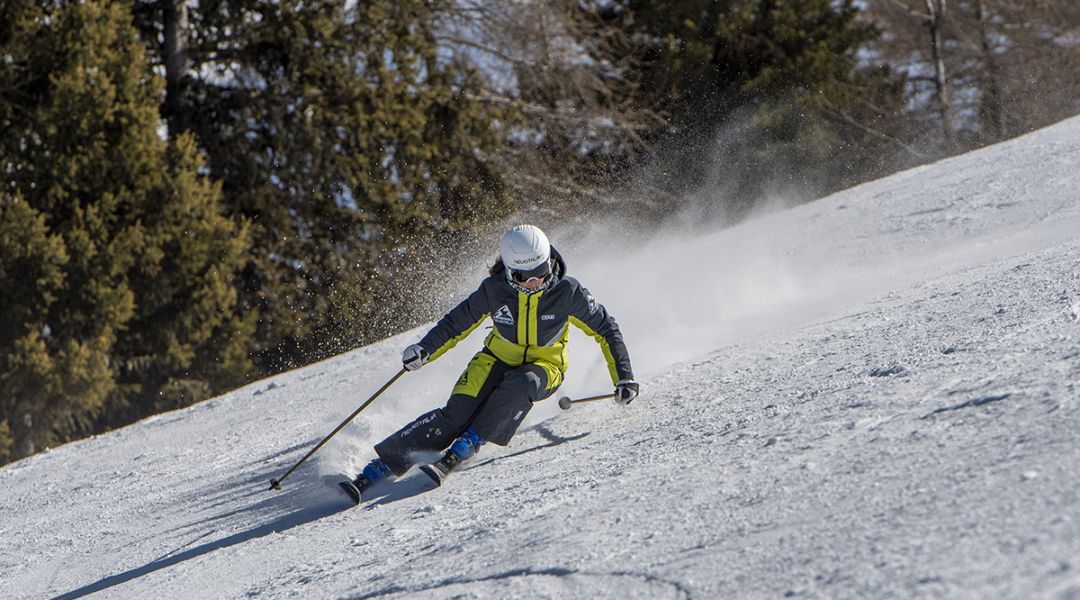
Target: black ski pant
{"type": "Point", "coordinates": [491, 396]}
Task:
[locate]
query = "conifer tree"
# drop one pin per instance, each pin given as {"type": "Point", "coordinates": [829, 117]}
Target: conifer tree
{"type": "Point", "coordinates": [774, 85]}
{"type": "Point", "coordinates": [32, 265]}
{"type": "Point", "coordinates": [116, 241]}
{"type": "Point", "coordinates": [339, 133]}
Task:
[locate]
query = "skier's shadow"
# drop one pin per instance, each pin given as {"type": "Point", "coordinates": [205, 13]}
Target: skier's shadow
{"type": "Point", "coordinates": [304, 513]}
{"type": "Point", "coordinates": [402, 489]}
{"type": "Point", "coordinates": [418, 483]}
{"type": "Point", "coordinates": [553, 439]}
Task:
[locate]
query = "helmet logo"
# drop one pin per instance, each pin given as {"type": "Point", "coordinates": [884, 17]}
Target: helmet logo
{"type": "Point", "coordinates": [532, 260]}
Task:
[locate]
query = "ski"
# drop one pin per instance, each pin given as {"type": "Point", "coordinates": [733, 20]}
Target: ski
{"type": "Point", "coordinates": [435, 473]}
{"type": "Point", "coordinates": [351, 489]}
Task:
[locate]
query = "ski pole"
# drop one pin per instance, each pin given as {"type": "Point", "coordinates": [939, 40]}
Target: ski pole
{"type": "Point", "coordinates": [275, 484]}
{"type": "Point", "coordinates": [565, 402]}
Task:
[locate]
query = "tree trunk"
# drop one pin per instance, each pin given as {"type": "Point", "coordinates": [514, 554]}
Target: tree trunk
{"type": "Point", "coordinates": [935, 10]}
{"type": "Point", "coordinates": [176, 62]}
{"type": "Point", "coordinates": [22, 432]}
{"type": "Point", "coordinates": [993, 112]}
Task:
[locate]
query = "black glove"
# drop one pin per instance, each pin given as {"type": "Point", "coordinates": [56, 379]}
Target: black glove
{"type": "Point", "coordinates": [414, 357]}
{"type": "Point", "coordinates": [625, 391]}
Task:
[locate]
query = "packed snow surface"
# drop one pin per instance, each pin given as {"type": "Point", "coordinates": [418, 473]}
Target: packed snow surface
{"type": "Point", "coordinates": [869, 396]}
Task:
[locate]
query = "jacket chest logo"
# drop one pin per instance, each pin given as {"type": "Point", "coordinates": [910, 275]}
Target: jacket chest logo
{"type": "Point", "coordinates": [503, 316]}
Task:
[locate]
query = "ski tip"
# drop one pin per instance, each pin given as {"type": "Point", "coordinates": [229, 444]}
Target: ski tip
{"type": "Point", "coordinates": [351, 490]}
{"type": "Point", "coordinates": [432, 473]}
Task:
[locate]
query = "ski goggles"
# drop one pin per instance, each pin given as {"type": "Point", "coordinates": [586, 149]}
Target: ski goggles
{"type": "Point", "coordinates": [540, 273]}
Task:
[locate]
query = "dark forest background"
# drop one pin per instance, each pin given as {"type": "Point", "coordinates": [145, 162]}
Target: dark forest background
{"type": "Point", "coordinates": [197, 195]}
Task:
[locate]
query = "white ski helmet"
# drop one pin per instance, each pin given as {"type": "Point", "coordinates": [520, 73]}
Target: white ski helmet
{"type": "Point", "coordinates": [524, 248]}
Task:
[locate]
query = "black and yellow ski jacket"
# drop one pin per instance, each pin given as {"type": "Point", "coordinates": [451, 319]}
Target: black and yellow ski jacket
{"type": "Point", "coordinates": [533, 328]}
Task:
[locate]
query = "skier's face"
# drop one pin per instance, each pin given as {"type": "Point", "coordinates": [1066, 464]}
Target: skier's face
{"type": "Point", "coordinates": [533, 278]}
{"type": "Point", "coordinates": [532, 283]}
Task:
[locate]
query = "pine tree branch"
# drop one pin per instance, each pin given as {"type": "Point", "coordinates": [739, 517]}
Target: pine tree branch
{"type": "Point", "coordinates": [458, 41]}
{"type": "Point", "coordinates": [847, 118]}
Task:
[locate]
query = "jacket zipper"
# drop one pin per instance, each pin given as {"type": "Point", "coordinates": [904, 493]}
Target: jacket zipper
{"type": "Point", "coordinates": [528, 306]}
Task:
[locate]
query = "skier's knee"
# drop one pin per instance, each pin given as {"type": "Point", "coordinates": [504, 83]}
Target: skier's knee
{"type": "Point", "coordinates": [525, 383]}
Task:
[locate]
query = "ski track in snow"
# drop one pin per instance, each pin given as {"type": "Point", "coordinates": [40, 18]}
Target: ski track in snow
{"type": "Point", "coordinates": [870, 396]}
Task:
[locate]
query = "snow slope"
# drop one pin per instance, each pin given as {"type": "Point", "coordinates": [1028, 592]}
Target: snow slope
{"type": "Point", "coordinates": [870, 396]}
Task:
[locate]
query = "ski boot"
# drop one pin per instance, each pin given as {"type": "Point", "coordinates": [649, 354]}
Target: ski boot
{"type": "Point", "coordinates": [462, 449]}
{"type": "Point", "coordinates": [373, 473]}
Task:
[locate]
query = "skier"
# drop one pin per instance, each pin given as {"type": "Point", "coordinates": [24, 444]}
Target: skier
{"type": "Point", "coordinates": [531, 303]}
